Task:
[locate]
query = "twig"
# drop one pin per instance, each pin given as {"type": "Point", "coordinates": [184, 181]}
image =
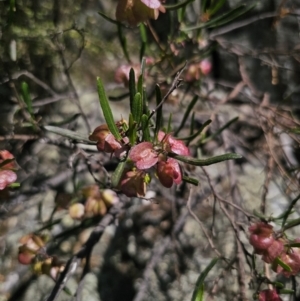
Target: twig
{"type": "Point", "coordinates": [19, 137]}
{"type": "Point", "coordinates": [160, 249]}
{"type": "Point", "coordinates": [84, 252]}
{"type": "Point", "coordinates": [200, 223]}
{"type": "Point", "coordinates": [269, 172]}
{"type": "Point", "coordinates": [236, 199]}
{"type": "Point", "coordinates": [33, 78]}
{"type": "Point", "coordinates": [156, 256]}
{"type": "Point", "coordinates": [242, 23]}
{"type": "Point", "coordinates": [176, 83]}
{"type": "Point", "coordinates": [70, 81]}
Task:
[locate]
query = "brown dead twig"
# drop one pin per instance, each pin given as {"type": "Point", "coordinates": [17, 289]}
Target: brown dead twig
{"type": "Point", "coordinates": [161, 248]}
{"type": "Point", "coordinates": [84, 252]}
{"type": "Point", "coordinates": [66, 69]}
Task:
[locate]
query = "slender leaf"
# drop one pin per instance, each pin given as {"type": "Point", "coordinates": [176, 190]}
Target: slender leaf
{"type": "Point", "coordinates": [116, 176]}
{"type": "Point", "coordinates": [132, 89]}
{"type": "Point", "coordinates": [286, 214]}
{"type": "Point", "coordinates": [286, 291]}
{"type": "Point", "coordinates": [14, 185]}
{"type": "Point", "coordinates": [137, 108]}
{"type": "Point", "coordinates": [232, 16]}
{"type": "Point", "coordinates": [108, 116]}
{"type": "Point", "coordinates": [204, 6]}
{"type": "Point", "coordinates": [278, 284]}
{"type": "Point", "coordinates": [6, 161]}
{"type": "Point", "coordinates": [143, 34]}
{"type": "Point", "coordinates": [223, 19]}
{"type": "Point", "coordinates": [199, 288]}
{"type": "Point", "coordinates": [205, 162]}
{"type": "Point", "coordinates": [123, 42]}
{"type": "Point", "coordinates": [190, 180]}
{"type": "Point", "coordinates": [181, 13]}
{"type": "Point", "coordinates": [178, 5]}
{"type": "Point", "coordinates": [142, 50]}
{"type": "Point", "coordinates": [109, 19]}
{"type": "Point", "coordinates": [293, 245]}
{"type": "Point", "coordinates": [145, 105]}
{"type": "Point", "coordinates": [145, 128]}
{"type": "Point", "coordinates": [218, 132]}
{"type": "Point", "coordinates": [67, 133]}
{"type": "Point", "coordinates": [291, 224]}
{"type": "Point", "coordinates": [191, 137]}
{"type": "Point", "coordinates": [143, 65]}
{"type": "Point", "coordinates": [192, 124]}
{"type": "Point", "coordinates": [169, 128]}
{"type": "Point", "coordinates": [26, 97]}
{"type": "Point", "coordinates": [214, 9]}
{"type": "Point", "coordinates": [282, 264]}
{"type": "Point", "coordinates": [132, 131]}
{"type": "Point", "coordinates": [186, 115]}
{"type": "Point", "coordinates": [140, 84]}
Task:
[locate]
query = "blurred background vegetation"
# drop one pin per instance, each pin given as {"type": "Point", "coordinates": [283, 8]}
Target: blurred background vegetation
{"type": "Point", "coordinates": [157, 250]}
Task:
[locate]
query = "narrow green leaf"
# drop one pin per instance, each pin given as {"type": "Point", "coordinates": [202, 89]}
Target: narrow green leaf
{"type": "Point", "coordinates": [223, 19]}
{"type": "Point", "coordinates": [278, 284]}
{"type": "Point", "coordinates": [143, 65]}
{"type": "Point", "coordinates": [108, 116]}
{"type": "Point", "coordinates": [123, 42]}
{"type": "Point", "coordinates": [132, 89]}
{"type": "Point", "coordinates": [234, 14]}
{"type": "Point", "coordinates": [291, 224]}
{"type": "Point", "coordinates": [191, 137]}
{"type": "Point", "coordinates": [67, 133]}
{"type": "Point", "coordinates": [205, 162]}
{"type": "Point", "coordinates": [132, 131]}
{"type": "Point", "coordinates": [140, 84]}
{"type": "Point", "coordinates": [26, 97]}
{"type": "Point", "coordinates": [192, 124]}
{"type": "Point", "coordinates": [14, 185]}
{"type": "Point", "coordinates": [143, 34]}
{"type": "Point", "coordinates": [286, 291]}
{"type": "Point", "coordinates": [186, 115]}
{"type": "Point", "coordinates": [140, 90]}
{"type": "Point", "coordinates": [260, 215]}
{"type": "Point", "coordinates": [215, 8]}
{"type": "Point", "coordinates": [293, 245]}
{"type": "Point", "coordinates": [218, 132]}
{"type": "Point", "coordinates": [282, 264]}
{"type": "Point", "coordinates": [204, 6]}
{"type": "Point", "coordinates": [199, 288]}
{"type": "Point", "coordinates": [142, 50]}
{"type": "Point", "coordinates": [109, 19]}
{"type": "Point", "coordinates": [190, 180]}
{"type": "Point", "coordinates": [286, 214]}
{"type": "Point", "coordinates": [159, 114]}
{"type": "Point", "coordinates": [67, 291]}
{"type": "Point", "coordinates": [116, 176]}
{"type": "Point", "coordinates": [178, 5]}
{"type": "Point", "coordinates": [146, 109]}
{"type": "Point", "coordinates": [145, 128]}
{"type": "Point", "coordinates": [137, 108]}
{"type": "Point", "coordinates": [181, 13]}
{"type": "Point", "coordinates": [7, 161]}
